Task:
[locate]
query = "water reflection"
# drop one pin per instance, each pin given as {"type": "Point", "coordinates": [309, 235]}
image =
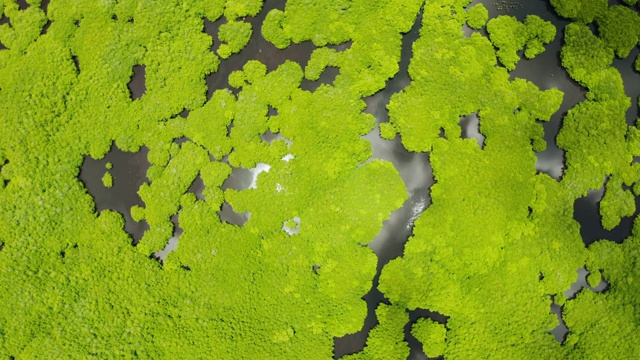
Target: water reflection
{"type": "Point", "coordinates": [630, 77]}
{"type": "Point", "coordinates": [327, 77]}
{"type": "Point", "coordinates": [586, 210]}
{"type": "Point", "coordinates": [416, 352]}
{"type": "Point", "coordinates": [561, 331]}
{"type": "Point", "coordinates": [129, 170]}
{"type": "Point", "coordinates": [228, 215]}
{"type": "Point", "coordinates": [292, 227]}
{"type": "Point", "coordinates": [129, 173]}
{"type": "Point", "coordinates": [546, 71]}
{"type": "Point", "coordinates": [172, 244]}
{"type": "Point", "coordinates": [137, 86]}
{"type": "Point", "coordinates": [197, 187]}
{"type": "Point", "coordinates": [414, 168]}
{"type": "Point", "coordinates": [257, 49]}
{"type": "Point", "coordinates": [470, 126]}
{"type": "Point", "coordinates": [243, 178]}
{"type": "Point", "coordinates": [581, 283]}
{"type": "Point", "coordinates": [415, 171]}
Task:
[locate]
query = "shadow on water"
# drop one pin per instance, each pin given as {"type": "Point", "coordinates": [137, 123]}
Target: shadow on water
{"type": "Point", "coordinates": [329, 74]}
{"type": "Point", "coordinates": [631, 80]}
{"type": "Point", "coordinates": [546, 71]}
{"type": "Point", "coordinates": [44, 6]}
{"type": "Point", "coordinates": [137, 85]}
{"type": "Point", "coordinates": [327, 77]}
{"type": "Point", "coordinates": [4, 20]}
{"type": "Point", "coordinates": [561, 331]}
{"type": "Point", "coordinates": [470, 126]}
{"type": "Point", "coordinates": [415, 171]}
{"type": "Point", "coordinates": [353, 343]}
{"type": "Point", "coordinates": [172, 243]}
{"type": "Point", "coordinates": [228, 215]}
{"type": "Point", "coordinates": [22, 4]}
{"type": "Point", "coordinates": [586, 211]}
{"type": "Point", "coordinates": [257, 49]}
{"type": "Point", "coordinates": [197, 187]}
{"type": "Point", "coordinates": [129, 173]}
{"type": "Point", "coordinates": [416, 352]}
{"type": "Point", "coordinates": [129, 170]}
{"type": "Point", "coordinates": [211, 28]}
{"type": "Point", "coordinates": [3, 180]}
{"type": "Point", "coordinates": [45, 28]}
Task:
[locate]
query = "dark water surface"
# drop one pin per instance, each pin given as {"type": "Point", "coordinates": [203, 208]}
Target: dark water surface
{"type": "Point", "coordinates": [129, 170]}
{"type": "Point", "coordinates": [546, 72]}
{"type": "Point", "coordinates": [129, 173]}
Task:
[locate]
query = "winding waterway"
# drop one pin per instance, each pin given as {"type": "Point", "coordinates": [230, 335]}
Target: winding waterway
{"type": "Point", "coordinates": [129, 170]}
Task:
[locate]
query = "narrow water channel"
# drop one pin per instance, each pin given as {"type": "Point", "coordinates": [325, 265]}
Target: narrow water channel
{"type": "Point", "coordinates": [129, 170]}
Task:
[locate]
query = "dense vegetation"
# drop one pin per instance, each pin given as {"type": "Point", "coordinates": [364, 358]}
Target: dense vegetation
{"type": "Point", "coordinates": [495, 248]}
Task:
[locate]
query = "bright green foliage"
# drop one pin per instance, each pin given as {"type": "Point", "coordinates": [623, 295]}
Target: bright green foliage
{"type": "Point", "coordinates": [108, 166]}
{"type": "Point", "coordinates": [599, 143]}
{"type": "Point", "coordinates": [539, 33]}
{"type": "Point", "coordinates": [386, 341]}
{"type": "Point", "coordinates": [600, 149]}
{"type": "Point", "coordinates": [616, 203]}
{"type": "Point", "coordinates": [510, 36]}
{"type": "Point", "coordinates": [418, 113]}
{"type": "Point", "coordinates": [75, 287]}
{"type": "Point", "coordinates": [453, 84]}
{"type": "Point", "coordinates": [374, 27]}
{"type": "Point", "coordinates": [137, 213]}
{"type": "Point", "coordinates": [241, 8]}
{"type": "Point", "coordinates": [162, 197]}
{"type": "Point", "coordinates": [235, 35]}
{"type": "Point", "coordinates": [594, 279]}
{"type": "Point", "coordinates": [387, 131]}
{"type": "Point", "coordinates": [207, 125]}
{"type": "Point", "coordinates": [285, 26]}
{"type": "Point", "coordinates": [432, 336]}
{"type": "Point", "coordinates": [583, 53]}
{"type": "Point", "coordinates": [497, 251]}
{"type": "Point", "coordinates": [602, 323]}
{"type": "Point", "coordinates": [107, 180]}
{"type": "Point", "coordinates": [583, 11]}
{"type": "Point", "coordinates": [25, 26]}
{"type": "Point", "coordinates": [237, 79]}
{"type": "Point", "coordinates": [320, 59]}
{"type": "Point", "coordinates": [213, 175]}
{"type": "Point", "coordinates": [272, 29]}
{"type": "Point", "coordinates": [619, 28]}
{"type": "Point", "coordinates": [290, 224]}
{"type": "Point", "coordinates": [477, 16]}
{"type": "Point", "coordinates": [258, 93]}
